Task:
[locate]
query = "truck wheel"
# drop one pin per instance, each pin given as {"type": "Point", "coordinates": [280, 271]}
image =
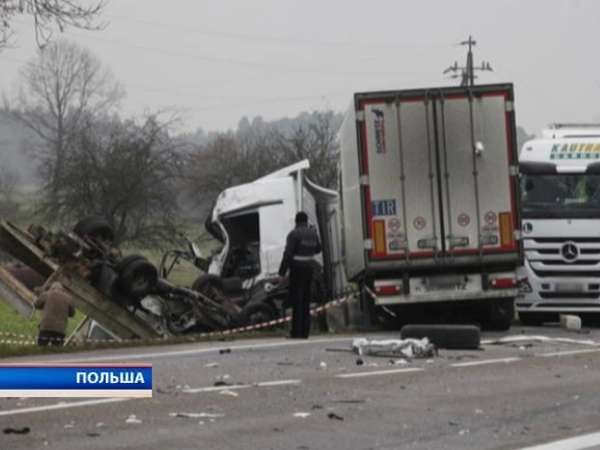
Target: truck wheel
{"type": "Point", "coordinates": [137, 276]}
{"type": "Point", "coordinates": [317, 294]}
{"type": "Point", "coordinates": [445, 336]}
{"type": "Point", "coordinates": [258, 313]}
{"type": "Point", "coordinates": [532, 318]}
{"type": "Point", "coordinates": [95, 227]}
{"type": "Point", "coordinates": [500, 315]}
{"type": "Point", "coordinates": [209, 285]}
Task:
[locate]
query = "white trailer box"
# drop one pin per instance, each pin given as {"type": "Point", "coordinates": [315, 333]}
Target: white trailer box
{"type": "Point", "coordinates": [430, 196]}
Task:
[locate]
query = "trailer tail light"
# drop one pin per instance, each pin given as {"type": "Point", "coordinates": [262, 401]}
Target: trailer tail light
{"type": "Point", "coordinates": [503, 283]}
{"type": "Point", "coordinates": [384, 290]}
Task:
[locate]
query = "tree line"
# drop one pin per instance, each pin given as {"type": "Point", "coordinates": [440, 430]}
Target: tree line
{"type": "Point", "coordinates": [137, 172]}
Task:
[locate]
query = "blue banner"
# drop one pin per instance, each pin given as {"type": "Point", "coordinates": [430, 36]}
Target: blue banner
{"type": "Point", "coordinates": [74, 377]}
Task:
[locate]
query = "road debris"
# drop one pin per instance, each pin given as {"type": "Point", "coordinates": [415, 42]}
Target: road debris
{"type": "Point", "coordinates": [10, 430]}
{"type": "Point", "coordinates": [332, 415]}
{"type": "Point", "coordinates": [133, 419]}
{"type": "Point", "coordinates": [409, 348]}
{"type": "Point", "coordinates": [302, 415]}
{"type": "Point", "coordinates": [201, 415]}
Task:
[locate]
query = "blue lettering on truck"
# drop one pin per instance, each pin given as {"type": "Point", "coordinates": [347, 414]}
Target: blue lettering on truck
{"type": "Point", "coordinates": [383, 207]}
{"type": "Point", "coordinates": [379, 124]}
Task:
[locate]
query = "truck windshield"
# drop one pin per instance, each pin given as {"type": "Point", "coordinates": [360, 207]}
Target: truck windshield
{"type": "Point", "coordinates": [560, 195]}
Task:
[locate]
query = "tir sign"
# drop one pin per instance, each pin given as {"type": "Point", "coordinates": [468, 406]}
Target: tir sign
{"type": "Point", "coordinates": [383, 207]}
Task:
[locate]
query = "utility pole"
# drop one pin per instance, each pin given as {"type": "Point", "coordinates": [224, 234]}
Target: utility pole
{"type": "Point", "coordinates": [467, 73]}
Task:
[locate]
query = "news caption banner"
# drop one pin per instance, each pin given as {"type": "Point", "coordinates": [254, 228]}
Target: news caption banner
{"type": "Point", "coordinates": [76, 380]}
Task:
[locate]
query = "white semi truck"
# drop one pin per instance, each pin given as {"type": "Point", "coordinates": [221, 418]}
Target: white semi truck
{"type": "Point", "coordinates": [560, 182]}
{"type": "Point", "coordinates": [426, 220]}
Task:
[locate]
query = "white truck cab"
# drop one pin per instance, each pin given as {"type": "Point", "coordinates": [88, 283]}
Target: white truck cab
{"type": "Point", "coordinates": [560, 201]}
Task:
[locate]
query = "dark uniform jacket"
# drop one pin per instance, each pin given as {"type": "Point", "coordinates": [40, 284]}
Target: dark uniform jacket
{"type": "Point", "coordinates": [301, 246]}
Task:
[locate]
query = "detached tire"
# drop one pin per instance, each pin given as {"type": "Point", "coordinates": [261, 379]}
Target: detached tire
{"type": "Point", "coordinates": [137, 276]}
{"type": "Point", "coordinates": [95, 227]}
{"type": "Point", "coordinates": [467, 337]}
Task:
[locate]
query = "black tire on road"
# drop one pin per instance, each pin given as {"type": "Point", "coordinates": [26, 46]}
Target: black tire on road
{"type": "Point", "coordinates": [137, 276]}
{"type": "Point", "coordinates": [466, 337]}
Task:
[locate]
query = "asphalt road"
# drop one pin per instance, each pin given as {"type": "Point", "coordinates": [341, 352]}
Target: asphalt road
{"type": "Point", "coordinates": [311, 395]}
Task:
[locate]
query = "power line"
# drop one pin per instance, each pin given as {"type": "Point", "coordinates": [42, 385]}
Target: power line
{"type": "Point", "coordinates": [280, 40]}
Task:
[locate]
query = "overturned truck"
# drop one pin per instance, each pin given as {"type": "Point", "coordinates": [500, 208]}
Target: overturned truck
{"type": "Point", "coordinates": [126, 294]}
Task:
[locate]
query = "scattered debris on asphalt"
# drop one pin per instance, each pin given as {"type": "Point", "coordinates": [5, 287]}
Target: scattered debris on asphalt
{"type": "Point", "coordinates": [224, 350]}
{"type": "Point", "coordinates": [302, 415]}
{"type": "Point", "coordinates": [133, 419]}
{"type": "Point", "coordinates": [332, 415]}
{"type": "Point", "coordinates": [10, 430]}
{"type": "Point", "coordinates": [409, 348]}
{"type": "Point", "coordinates": [202, 415]}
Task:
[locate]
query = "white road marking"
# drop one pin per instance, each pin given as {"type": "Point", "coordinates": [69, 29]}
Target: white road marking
{"type": "Point", "coordinates": [487, 361]}
{"type": "Point", "coordinates": [168, 354]}
{"type": "Point", "coordinates": [568, 352]}
{"type": "Point", "coordinates": [241, 386]}
{"type": "Point", "coordinates": [575, 443]}
{"type": "Point", "coordinates": [34, 409]}
{"type": "Point", "coordinates": [380, 372]}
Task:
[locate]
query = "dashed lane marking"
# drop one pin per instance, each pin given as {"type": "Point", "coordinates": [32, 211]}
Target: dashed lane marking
{"type": "Point", "coordinates": [567, 353]}
{"type": "Point", "coordinates": [379, 372]}
{"type": "Point", "coordinates": [61, 405]}
{"type": "Point", "coordinates": [241, 386]}
{"type": "Point", "coordinates": [587, 441]}
{"type": "Point", "coordinates": [485, 362]}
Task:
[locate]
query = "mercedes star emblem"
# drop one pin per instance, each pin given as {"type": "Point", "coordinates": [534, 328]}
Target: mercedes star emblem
{"type": "Point", "coordinates": [569, 252]}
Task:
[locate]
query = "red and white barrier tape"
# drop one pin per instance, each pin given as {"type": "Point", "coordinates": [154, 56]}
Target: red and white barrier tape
{"type": "Point", "coordinates": [270, 323]}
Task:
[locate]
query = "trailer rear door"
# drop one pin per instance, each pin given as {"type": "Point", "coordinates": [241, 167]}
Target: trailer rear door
{"type": "Point", "coordinates": [438, 174]}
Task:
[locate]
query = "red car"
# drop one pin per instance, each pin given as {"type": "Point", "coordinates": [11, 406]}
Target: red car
{"type": "Point", "coordinates": [26, 275]}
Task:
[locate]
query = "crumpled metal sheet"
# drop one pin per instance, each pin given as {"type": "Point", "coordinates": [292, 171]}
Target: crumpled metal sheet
{"type": "Point", "coordinates": [407, 348]}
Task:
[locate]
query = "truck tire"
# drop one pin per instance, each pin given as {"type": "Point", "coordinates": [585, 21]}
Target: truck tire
{"type": "Point", "coordinates": [209, 285]}
{"type": "Point", "coordinates": [95, 227]}
{"type": "Point", "coordinates": [500, 315]}
{"type": "Point", "coordinates": [258, 313]}
{"type": "Point", "coordinates": [318, 296]}
{"type": "Point", "coordinates": [535, 319]}
{"type": "Point", "coordinates": [466, 337]}
{"type": "Point", "coordinates": [137, 276]}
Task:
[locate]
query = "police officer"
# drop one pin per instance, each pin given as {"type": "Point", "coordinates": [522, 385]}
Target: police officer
{"type": "Point", "coordinates": [301, 245]}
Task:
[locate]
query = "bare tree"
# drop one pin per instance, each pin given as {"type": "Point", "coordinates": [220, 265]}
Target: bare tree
{"type": "Point", "coordinates": [229, 160]}
{"type": "Point", "coordinates": [317, 142]}
{"type": "Point", "coordinates": [9, 179]}
{"type": "Point", "coordinates": [46, 15]}
{"type": "Point", "coordinates": [63, 87]}
{"type": "Point", "coordinates": [127, 173]}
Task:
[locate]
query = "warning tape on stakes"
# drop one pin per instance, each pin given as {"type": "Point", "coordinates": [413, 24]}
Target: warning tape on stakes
{"type": "Point", "coordinates": [319, 309]}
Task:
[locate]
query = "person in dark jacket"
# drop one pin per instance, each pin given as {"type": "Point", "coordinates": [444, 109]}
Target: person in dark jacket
{"type": "Point", "coordinates": [57, 306]}
{"type": "Point", "coordinates": [301, 246]}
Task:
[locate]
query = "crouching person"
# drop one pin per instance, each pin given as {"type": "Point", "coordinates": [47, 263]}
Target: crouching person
{"type": "Point", "coordinates": [57, 306]}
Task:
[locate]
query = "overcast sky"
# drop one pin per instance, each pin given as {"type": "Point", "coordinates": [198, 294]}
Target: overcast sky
{"type": "Point", "coordinates": [220, 60]}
